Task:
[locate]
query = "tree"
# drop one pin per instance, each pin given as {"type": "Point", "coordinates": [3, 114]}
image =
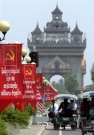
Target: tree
{"type": "Point", "coordinates": [61, 81]}
{"type": "Point", "coordinates": [92, 73]}
{"type": "Point", "coordinates": [59, 86]}
{"type": "Point", "coordinates": [71, 83]}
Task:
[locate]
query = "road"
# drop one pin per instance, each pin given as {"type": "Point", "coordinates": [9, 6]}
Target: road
{"type": "Point", "coordinates": [50, 130]}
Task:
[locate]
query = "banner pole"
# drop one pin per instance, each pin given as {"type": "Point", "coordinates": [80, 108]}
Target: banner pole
{"type": "Point", "coordinates": [42, 118]}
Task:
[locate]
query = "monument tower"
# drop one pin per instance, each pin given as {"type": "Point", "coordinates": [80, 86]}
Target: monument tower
{"type": "Point", "coordinates": [61, 51]}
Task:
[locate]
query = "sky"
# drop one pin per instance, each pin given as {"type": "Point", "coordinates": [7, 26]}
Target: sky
{"type": "Point", "coordinates": [23, 15]}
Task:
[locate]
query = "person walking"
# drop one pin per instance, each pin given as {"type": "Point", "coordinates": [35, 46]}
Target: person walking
{"type": "Point", "coordinates": [53, 110]}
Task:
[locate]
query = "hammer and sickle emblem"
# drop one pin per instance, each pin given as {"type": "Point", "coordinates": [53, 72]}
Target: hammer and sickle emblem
{"type": "Point", "coordinates": [37, 80]}
{"type": "Point", "coordinates": [10, 55]}
{"type": "Point", "coordinates": [28, 71]}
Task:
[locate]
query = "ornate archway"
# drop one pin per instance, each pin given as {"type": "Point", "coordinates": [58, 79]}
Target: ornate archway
{"type": "Point", "coordinates": [61, 51]}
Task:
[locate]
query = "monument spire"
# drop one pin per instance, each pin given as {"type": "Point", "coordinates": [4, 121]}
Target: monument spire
{"type": "Point", "coordinates": [37, 24]}
{"type": "Point", "coordinates": [57, 4]}
{"type": "Point", "coordinates": [76, 23]}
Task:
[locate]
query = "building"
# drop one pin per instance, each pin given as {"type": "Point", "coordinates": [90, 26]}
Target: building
{"type": "Point", "coordinates": [61, 51]}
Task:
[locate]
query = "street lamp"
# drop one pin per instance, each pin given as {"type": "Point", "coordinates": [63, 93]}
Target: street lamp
{"type": "Point", "coordinates": [4, 27]}
{"type": "Point", "coordinates": [43, 85]}
{"type": "Point", "coordinates": [24, 53]}
{"type": "Point", "coordinates": [28, 59]}
{"type": "Point", "coordinates": [34, 55]}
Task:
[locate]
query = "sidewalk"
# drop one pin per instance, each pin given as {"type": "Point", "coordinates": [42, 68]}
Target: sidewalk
{"type": "Point", "coordinates": [33, 130]}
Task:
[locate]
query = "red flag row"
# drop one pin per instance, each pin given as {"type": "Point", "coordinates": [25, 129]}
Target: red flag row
{"type": "Point", "coordinates": [20, 84]}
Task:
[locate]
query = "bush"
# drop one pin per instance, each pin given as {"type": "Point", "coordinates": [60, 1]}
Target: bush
{"type": "Point", "coordinates": [15, 117]}
{"type": "Point", "coordinates": [47, 104]}
{"type": "Point", "coordinates": [30, 110]}
{"type": "Point", "coordinates": [3, 128]}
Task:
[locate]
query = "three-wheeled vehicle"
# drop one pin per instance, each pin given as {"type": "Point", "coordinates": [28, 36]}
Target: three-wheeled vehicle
{"type": "Point", "coordinates": [87, 119]}
{"type": "Point", "coordinates": [65, 120]}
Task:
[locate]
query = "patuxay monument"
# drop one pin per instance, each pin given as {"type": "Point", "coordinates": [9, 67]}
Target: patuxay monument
{"type": "Point", "coordinates": [61, 51]}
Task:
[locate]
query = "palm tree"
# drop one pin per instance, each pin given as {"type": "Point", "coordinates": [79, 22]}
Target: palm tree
{"type": "Point", "coordinates": [61, 81]}
{"type": "Point", "coordinates": [58, 86]}
{"type": "Point", "coordinates": [71, 83]}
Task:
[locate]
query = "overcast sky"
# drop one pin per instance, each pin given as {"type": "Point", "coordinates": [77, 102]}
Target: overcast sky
{"type": "Point", "coordinates": [23, 15]}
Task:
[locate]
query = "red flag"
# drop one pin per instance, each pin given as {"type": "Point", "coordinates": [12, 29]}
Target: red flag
{"type": "Point", "coordinates": [48, 93]}
{"type": "Point", "coordinates": [29, 81]}
{"type": "Point", "coordinates": [10, 71]}
{"type": "Point", "coordinates": [39, 87]}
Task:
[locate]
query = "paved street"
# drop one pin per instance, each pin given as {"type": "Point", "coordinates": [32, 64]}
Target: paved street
{"type": "Point", "coordinates": [50, 131]}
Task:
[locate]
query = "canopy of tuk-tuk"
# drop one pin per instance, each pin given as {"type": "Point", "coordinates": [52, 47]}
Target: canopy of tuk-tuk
{"type": "Point", "coordinates": [65, 96]}
{"type": "Point", "coordinates": [89, 93]}
{"type": "Point", "coordinates": [60, 97]}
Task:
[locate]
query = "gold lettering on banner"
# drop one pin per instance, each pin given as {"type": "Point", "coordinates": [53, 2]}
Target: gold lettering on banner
{"type": "Point", "coordinates": [28, 71]}
{"type": "Point", "coordinates": [37, 79]}
{"type": "Point", "coordinates": [10, 55]}
{"type": "Point", "coordinates": [47, 89]}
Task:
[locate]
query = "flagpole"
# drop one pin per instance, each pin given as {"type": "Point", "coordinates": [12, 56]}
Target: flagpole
{"type": "Point", "coordinates": [42, 118]}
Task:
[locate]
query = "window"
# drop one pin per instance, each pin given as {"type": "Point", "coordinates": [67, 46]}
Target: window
{"type": "Point", "coordinates": [57, 17]}
{"type": "Point", "coordinates": [57, 65]}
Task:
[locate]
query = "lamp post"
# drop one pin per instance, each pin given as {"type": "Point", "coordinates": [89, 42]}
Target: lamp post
{"type": "Point", "coordinates": [43, 87]}
{"type": "Point", "coordinates": [24, 53]}
{"type": "Point", "coordinates": [4, 27]}
{"type": "Point", "coordinates": [44, 83]}
{"type": "Point", "coordinates": [28, 59]}
{"type": "Point", "coordinates": [34, 55]}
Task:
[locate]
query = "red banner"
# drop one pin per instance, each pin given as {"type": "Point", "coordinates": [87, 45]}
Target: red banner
{"type": "Point", "coordinates": [52, 93]}
{"type": "Point", "coordinates": [29, 81]}
{"type": "Point", "coordinates": [48, 93]}
{"type": "Point", "coordinates": [10, 71]}
{"type": "Point", "coordinates": [39, 87]}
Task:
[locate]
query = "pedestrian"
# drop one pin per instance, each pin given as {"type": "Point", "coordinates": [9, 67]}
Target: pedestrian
{"type": "Point", "coordinates": [53, 110]}
{"type": "Point", "coordinates": [91, 112]}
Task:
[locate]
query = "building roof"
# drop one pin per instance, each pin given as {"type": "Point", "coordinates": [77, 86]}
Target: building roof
{"type": "Point", "coordinates": [57, 26]}
{"type": "Point", "coordinates": [76, 30]}
{"type": "Point", "coordinates": [57, 11]}
{"type": "Point", "coordinates": [37, 30]}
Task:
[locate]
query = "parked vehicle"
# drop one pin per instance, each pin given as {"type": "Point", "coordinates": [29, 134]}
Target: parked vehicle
{"type": "Point", "coordinates": [87, 118]}
{"type": "Point", "coordinates": [65, 120]}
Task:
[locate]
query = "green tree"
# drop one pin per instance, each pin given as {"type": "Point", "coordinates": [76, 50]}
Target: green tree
{"type": "Point", "coordinates": [92, 73]}
{"type": "Point", "coordinates": [61, 81]}
{"type": "Point", "coordinates": [59, 86]}
{"type": "Point", "coordinates": [71, 83]}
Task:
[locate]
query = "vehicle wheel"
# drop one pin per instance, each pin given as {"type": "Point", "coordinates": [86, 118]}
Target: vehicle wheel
{"type": "Point", "coordinates": [56, 127]}
{"type": "Point", "coordinates": [74, 127]}
{"type": "Point", "coordinates": [64, 127]}
{"type": "Point", "coordinates": [93, 132]}
{"type": "Point", "coordinates": [83, 132]}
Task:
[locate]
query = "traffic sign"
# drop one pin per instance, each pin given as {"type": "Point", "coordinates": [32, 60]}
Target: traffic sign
{"type": "Point", "coordinates": [43, 98]}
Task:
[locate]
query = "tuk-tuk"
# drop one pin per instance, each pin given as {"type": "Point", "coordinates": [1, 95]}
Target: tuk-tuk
{"type": "Point", "coordinates": [87, 119]}
{"type": "Point", "coordinates": [65, 120]}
